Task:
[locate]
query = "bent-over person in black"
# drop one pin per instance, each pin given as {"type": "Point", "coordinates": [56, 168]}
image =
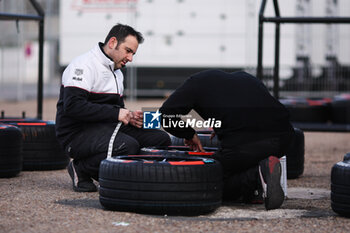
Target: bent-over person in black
{"type": "Point", "coordinates": [254, 125]}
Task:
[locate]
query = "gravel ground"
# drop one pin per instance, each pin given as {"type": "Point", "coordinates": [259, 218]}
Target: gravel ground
{"type": "Point", "coordinates": [44, 201]}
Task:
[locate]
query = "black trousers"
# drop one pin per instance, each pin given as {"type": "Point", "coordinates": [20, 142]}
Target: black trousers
{"type": "Point", "coordinates": [240, 165]}
{"type": "Point", "coordinates": [89, 147]}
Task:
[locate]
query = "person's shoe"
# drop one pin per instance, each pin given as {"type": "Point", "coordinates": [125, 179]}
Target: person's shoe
{"type": "Point", "coordinates": [270, 176]}
{"type": "Point", "coordinates": [81, 183]}
{"type": "Point", "coordinates": [254, 198]}
{"type": "Point", "coordinates": [257, 197]}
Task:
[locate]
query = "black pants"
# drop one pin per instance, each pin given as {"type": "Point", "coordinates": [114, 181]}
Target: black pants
{"type": "Point", "coordinates": [240, 165]}
{"type": "Point", "coordinates": [89, 147]}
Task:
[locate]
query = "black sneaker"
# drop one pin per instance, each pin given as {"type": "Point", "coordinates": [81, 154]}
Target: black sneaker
{"type": "Point", "coordinates": [253, 198]}
{"type": "Point", "coordinates": [270, 176]}
{"type": "Point", "coordinates": [81, 183]}
{"type": "Point", "coordinates": [257, 197]}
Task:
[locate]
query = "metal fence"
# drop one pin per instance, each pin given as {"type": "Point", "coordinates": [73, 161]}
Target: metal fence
{"type": "Point", "coordinates": [309, 80]}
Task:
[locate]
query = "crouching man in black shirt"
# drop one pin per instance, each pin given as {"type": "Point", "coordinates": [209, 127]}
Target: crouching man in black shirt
{"type": "Point", "coordinates": [254, 131]}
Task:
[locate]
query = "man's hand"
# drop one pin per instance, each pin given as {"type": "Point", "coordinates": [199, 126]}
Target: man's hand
{"type": "Point", "coordinates": [136, 119]}
{"type": "Point", "coordinates": [194, 143]}
{"type": "Point", "coordinates": [124, 116]}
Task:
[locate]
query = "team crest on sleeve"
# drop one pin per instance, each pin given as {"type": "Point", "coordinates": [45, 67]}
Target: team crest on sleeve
{"type": "Point", "coordinates": [78, 72]}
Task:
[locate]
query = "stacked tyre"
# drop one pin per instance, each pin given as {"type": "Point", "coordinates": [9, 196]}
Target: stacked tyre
{"type": "Point", "coordinates": [158, 184]}
{"type": "Point", "coordinates": [296, 155]}
{"type": "Point", "coordinates": [41, 150]}
{"type": "Point", "coordinates": [307, 110]}
{"type": "Point", "coordinates": [340, 187]}
{"type": "Point", "coordinates": [177, 151]}
{"type": "Point", "coordinates": [206, 140]}
{"type": "Point", "coordinates": [10, 151]}
{"type": "Point", "coordinates": [340, 109]}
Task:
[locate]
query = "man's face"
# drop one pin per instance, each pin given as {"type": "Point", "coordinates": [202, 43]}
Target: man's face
{"type": "Point", "coordinates": [123, 53]}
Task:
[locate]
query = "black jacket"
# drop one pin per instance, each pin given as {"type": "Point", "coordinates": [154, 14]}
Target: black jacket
{"type": "Point", "coordinates": [240, 101]}
{"type": "Point", "coordinates": [91, 91]}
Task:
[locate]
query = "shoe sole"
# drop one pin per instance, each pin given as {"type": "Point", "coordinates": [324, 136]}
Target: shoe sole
{"type": "Point", "coordinates": [273, 192]}
{"type": "Point", "coordinates": [73, 175]}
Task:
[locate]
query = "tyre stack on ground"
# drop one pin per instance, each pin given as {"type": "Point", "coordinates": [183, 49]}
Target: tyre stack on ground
{"type": "Point", "coordinates": [308, 110]}
{"type": "Point", "coordinates": [10, 151]}
{"type": "Point", "coordinates": [340, 187]}
{"type": "Point", "coordinates": [340, 109]}
{"type": "Point", "coordinates": [161, 184]}
{"type": "Point", "coordinates": [163, 181]}
{"type": "Point", "coordinates": [335, 110]}
{"type": "Point", "coordinates": [41, 150]}
{"type": "Point", "coordinates": [295, 155]}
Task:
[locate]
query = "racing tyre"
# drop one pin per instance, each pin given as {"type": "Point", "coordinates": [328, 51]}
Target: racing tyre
{"type": "Point", "coordinates": [41, 150]}
{"type": "Point", "coordinates": [176, 151]}
{"type": "Point", "coordinates": [10, 151]}
{"type": "Point", "coordinates": [175, 141]}
{"type": "Point", "coordinates": [296, 155]}
{"type": "Point", "coordinates": [158, 184]}
{"type": "Point", "coordinates": [340, 188]}
{"type": "Point", "coordinates": [340, 109]}
{"type": "Point", "coordinates": [205, 131]}
{"type": "Point", "coordinates": [205, 140]}
{"type": "Point", "coordinates": [307, 110]}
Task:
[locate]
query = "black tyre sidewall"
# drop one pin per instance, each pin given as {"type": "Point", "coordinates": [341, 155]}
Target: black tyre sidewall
{"type": "Point", "coordinates": [204, 138]}
{"type": "Point", "coordinates": [160, 188]}
{"type": "Point", "coordinates": [11, 144]}
{"type": "Point", "coordinates": [340, 188]}
{"type": "Point", "coordinates": [296, 155]}
{"type": "Point", "coordinates": [41, 150]}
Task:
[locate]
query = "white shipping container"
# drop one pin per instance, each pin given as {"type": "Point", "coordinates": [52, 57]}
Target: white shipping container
{"type": "Point", "coordinates": [193, 33]}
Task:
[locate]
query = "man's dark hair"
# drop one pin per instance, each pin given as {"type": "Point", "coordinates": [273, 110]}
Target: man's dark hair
{"type": "Point", "coordinates": [121, 31]}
